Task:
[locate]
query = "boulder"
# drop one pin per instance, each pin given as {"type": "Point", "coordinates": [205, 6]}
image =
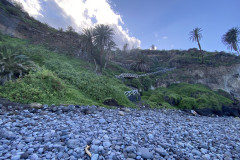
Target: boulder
{"type": "Point", "coordinates": [145, 153]}
{"type": "Point", "coordinates": [121, 113]}
{"type": "Point", "coordinates": [111, 102]}
{"type": "Point", "coordinates": [134, 98]}
{"type": "Point", "coordinates": [36, 105]}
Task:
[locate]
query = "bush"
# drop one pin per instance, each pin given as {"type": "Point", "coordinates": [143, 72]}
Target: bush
{"type": "Point", "coordinates": [14, 11]}
{"type": "Point", "coordinates": [186, 96]}
{"type": "Point", "coordinates": [146, 83]}
{"type": "Point", "coordinates": [188, 103]}
{"type": "Point", "coordinates": [43, 87]}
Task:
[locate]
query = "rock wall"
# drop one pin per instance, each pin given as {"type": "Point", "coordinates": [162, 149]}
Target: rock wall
{"type": "Point", "coordinates": [225, 78]}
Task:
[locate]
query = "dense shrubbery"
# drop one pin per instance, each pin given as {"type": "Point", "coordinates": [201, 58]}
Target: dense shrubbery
{"type": "Point", "coordinates": [61, 79]}
{"type": "Point", "coordinates": [142, 83]}
{"type": "Point", "coordinates": [185, 96]}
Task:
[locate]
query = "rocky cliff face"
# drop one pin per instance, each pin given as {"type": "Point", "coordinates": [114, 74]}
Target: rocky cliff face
{"type": "Point", "coordinates": [226, 78]}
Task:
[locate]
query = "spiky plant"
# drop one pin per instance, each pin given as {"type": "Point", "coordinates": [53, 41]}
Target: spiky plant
{"type": "Point", "coordinates": [231, 39]}
{"type": "Point", "coordinates": [141, 64]}
{"type": "Point", "coordinates": [13, 64]}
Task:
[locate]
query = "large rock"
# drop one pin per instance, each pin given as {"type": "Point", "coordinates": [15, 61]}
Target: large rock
{"type": "Point", "coordinates": [121, 113]}
{"type": "Point", "coordinates": [134, 98]}
{"type": "Point", "coordinates": [36, 105]}
{"type": "Point", "coordinates": [7, 134]}
{"type": "Point", "coordinates": [145, 153]}
{"type": "Point", "coordinates": [73, 143]}
{"type": "Point", "coordinates": [111, 102]}
{"type": "Point", "coordinates": [131, 149]}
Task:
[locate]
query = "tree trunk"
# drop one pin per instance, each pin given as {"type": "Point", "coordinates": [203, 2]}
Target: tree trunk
{"type": "Point", "coordinates": [10, 76]}
{"type": "Point", "coordinates": [20, 73]}
{"type": "Point", "coordinates": [101, 59]}
{"type": "Point", "coordinates": [105, 65]}
{"type": "Point", "coordinates": [238, 50]}
{"type": "Point", "coordinates": [95, 64]}
{"type": "Point", "coordinates": [200, 49]}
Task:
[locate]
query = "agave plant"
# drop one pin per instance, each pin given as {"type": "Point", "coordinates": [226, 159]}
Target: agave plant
{"type": "Point", "coordinates": [196, 36]}
{"type": "Point", "coordinates": [231, 39]}
{"type": "Point", "coordinates": [13, 65]}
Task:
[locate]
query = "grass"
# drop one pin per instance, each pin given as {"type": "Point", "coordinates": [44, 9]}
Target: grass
{"type": "Point", "coordinates": [60, 79]}
{"type": "Point", "coordinates": [185, 96]}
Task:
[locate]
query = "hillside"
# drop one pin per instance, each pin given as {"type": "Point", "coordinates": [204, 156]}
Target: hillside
{"type": "Point", "coordinates": [63, 74]}
{"type": "Point", "coordinates": [220, 70]}
{"type": "Point", "coordinates": [59, 79]}
{"type": "Point", "coordinates": [55, 102]}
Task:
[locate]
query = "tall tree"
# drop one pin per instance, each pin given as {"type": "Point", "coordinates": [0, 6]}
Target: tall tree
{"type": "Point", "coordinates": [103, 35]}
{"type": "Point", "coordinates": [87, 40]}
{"type": "Point", "coordinates": [111, 45]}
{"type": "Point", "coordinates": [196, 36]}
{"type": "Point", "coordinates": [231, 39]}
{"type": "Point", "coordinates": [98, 43]}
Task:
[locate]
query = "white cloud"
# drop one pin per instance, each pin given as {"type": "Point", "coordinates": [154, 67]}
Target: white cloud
{"type": "Point", "coordinates": [83, 13]}
{"type": "Point", "coordinates": [164, 37]}
{"type": "Point", "coordinates": [33, 7]}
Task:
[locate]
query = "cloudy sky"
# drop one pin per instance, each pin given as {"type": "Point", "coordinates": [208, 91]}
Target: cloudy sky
{"type": "Point", "coordinates": [141, 23]}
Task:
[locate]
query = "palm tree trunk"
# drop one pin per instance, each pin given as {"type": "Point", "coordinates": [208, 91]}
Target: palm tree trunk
{"type": "Point", "coordinates": [101, 59]}
{"type": "Point", "coordinates": [238, 50]}
{"type": "Point", "coordinates": [200, 49]}
{"type": "Point", "coordinates": [20, 73]}
{"type": "Point", "coordinates": [95, 64]}
{"type": "Point", "coordinates": [10, 76]}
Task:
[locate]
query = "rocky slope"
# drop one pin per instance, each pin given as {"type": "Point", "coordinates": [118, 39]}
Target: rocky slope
{"type": "Point", "coordinates": [64, 132]}
{"type": "Point", "coordinates": [222, 77]}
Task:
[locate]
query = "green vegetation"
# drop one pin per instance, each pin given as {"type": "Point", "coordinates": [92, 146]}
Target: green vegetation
{"type": "Point", "coordinates": [60, 79]}
{"type": "Point", "coordinates": [142, 83]}
{"type": "Point", "coordinates": [185, 96]}
{"type": "Point", "coordinates": [13, 63]}
{"type": "Point", "coordinates": [231, 39]}
{"type": "Point", "coordinates": [141, 64]}
{"type": "Point", "coordinates": [98, 42]}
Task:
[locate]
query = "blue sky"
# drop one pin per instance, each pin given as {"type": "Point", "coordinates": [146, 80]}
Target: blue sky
{"type": "Point", "coordinates": [167, 23]}
{"type": "Point", "coordinates": [141, 23]}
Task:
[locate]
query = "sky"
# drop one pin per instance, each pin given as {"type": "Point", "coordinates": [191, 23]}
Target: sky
{"type": "Point", "coordinates": [142, 23]}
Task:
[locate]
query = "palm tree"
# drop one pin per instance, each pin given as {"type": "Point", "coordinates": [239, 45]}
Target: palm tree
{"type": "Point", "coordinates": [87, 40]}
{"type": "Point", "coordinates": [111, 45]}
{"type": "Point", "coordinates": [231, 39]}
{"type": "Point", "coordinates": [98, 42]}
{"type": "Point", "coordinates": [13, 64]}
{"type": "Point", "coordinates": [196, 36]}
{"type": "Point", "coordinates": [103, 35]}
